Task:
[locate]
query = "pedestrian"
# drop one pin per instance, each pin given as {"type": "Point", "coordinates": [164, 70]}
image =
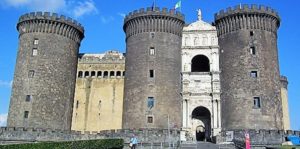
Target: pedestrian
{"type": "Point", "coordinates": [133, 142]}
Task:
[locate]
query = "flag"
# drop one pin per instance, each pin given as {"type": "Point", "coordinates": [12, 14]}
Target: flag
{"type": "Point", "coordinates": [178, 4]}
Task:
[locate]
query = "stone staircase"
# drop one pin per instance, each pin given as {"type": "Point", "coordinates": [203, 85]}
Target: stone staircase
{"type": "Point", "coordinates": [205, 145]}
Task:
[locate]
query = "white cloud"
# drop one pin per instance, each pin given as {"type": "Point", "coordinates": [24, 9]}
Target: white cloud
{"type": "Point", "coordinates": [37, 5]}
{"type": "Point", "coordinates": [105, 20]}
{"type": "Point", "coordinates": [16, 3]}
{"type": "Point", "coordinates": [122, 15]}
{"type": "Point", "coordinates": [70, 7]}
{"type": "Point", "coordinates": [5, 83]}
{"type": "Point", "coordinates": [83, 8]}
{"type": "Point", "coordinates": [3, 119]}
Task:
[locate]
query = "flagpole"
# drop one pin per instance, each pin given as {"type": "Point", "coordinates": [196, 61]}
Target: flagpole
{"type": "Point", "coordinates": [180, 5]}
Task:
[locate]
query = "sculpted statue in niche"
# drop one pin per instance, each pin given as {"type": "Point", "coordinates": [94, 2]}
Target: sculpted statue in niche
{"type": "Point", "coordinates": [204, 41]}
{"type": "Point", "coordinates": [196, 41]}
{"type": "Point", "coordinates": [186, 41]}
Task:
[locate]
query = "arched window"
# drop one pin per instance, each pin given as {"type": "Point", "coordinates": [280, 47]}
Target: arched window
{"type": "Point", "coordinates": [99, 74]}
{"type": "Point", "coordinates": [93, 74]}
{"type": "Point", "coordinates": [118, 73]}
{"type": "Point", "coordinates": [200, 63]}
{"type": "Point", "coordinates": [105, 75]}
{"type": "Point", "coordinates": [80, 74]}
{"type": "Point", "coordinates": [112, 74]}
{"type": "Point", "coordinates": [86, 74]}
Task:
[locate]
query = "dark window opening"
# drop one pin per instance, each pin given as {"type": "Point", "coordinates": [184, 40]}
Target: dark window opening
{"type": "Point", "coordinates": [28, 98]}
{"type": "Point", "coordinates": [150, 102]}
{"type": "Point", "coordinates": [99, 73]}
{"type": "Point", "coordinates": [26, 114]}
{"type": "Point", "coordinates": [253, 50]}
{"type": "Point", "coordinates": [256, 102]}
{"type": "Point", "coordinates": [118, 73]}
{"type": "Point", "coordinates": [251, 33]}
{"type": "Point", "coordinates": [150, 119]}
{"type": "Point", "coordinates": [93, 73]}
{"type": "Point", "coordinates": [86, 74]}
{"type": "Point", "coordinates": [31, 73]}
{"type": "Point", "coordinates": [253, 74]}
{"type": "Point", "coordinates": [77, 104]}
{"type": "Point", "coordinates": [112, 74]}
{"type": "Point", "coordinates": [151, 73]}
{"type": "Point", "coordinates": [200, 63]}
{"type": "Point", "coordinates": [105, 75]}
{"type": "Point", "coordinates": [123, 73]}
{"type": "Point", "coordinates": [80, 74]}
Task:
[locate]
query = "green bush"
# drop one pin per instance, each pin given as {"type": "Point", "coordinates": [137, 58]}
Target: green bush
{"type": "Point", "coordinates": [86, 144]}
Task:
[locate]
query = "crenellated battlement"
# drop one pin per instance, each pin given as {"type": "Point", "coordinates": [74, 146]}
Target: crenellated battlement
{"type": "Point", "coordinates": [245, 8]}
{"type": "Point", "coordinates": [247, 17]}
{"type": "Point", "coordinates": [154, 11]}
{"type": "Point", "coordinates": [153, 20]}
{"type": "Point", "coordinates": [50, 23]}
{"type": "Point", "coordinates": [284, 81]}
{"type": "Point", "coordinates": [34, 134]}
{"type": "Point", "coordinates": [107, 57]}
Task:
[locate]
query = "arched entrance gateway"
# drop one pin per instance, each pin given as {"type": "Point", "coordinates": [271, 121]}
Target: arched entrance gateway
{"type": "Point", "coordinates": [201, 118]}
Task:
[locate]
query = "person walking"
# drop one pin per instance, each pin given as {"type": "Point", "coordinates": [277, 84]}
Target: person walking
{"type": "Point", "coordinates": [133, 142]}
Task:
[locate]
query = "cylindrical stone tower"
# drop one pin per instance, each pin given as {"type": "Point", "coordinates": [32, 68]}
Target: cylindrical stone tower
{"type": "Point", "coordinates": [250, 79]}
{"type": "Point", "coordinates": [45, 72]}
{"type": "Point", "coordinates": [285, 103]}
{"type": "Point", "coordinates": [153, 60]}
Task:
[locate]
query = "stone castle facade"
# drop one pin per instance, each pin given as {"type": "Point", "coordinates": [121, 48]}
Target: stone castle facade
{"type": "Point", "coordinates": [201, 78]}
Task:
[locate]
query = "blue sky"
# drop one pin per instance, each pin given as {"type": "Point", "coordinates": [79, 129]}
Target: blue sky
{"type": "Point", "coordinates": [103, 20]}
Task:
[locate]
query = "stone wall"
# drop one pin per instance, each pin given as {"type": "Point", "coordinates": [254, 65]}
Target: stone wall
{"type": "Point", "coordinates": [98, 103]}
{"type": "Point", "coordinates": [260, 137]}
{"type": "Point", "coordinates": [23, 135]}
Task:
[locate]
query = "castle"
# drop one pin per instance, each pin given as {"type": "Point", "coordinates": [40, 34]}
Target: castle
{"type": "Point", "coordinates": [200, 78]}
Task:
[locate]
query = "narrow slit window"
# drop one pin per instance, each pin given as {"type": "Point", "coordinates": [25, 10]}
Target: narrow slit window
{"type": "Point", "coordinates": [152, 51]}
{"type": "Point", "coordinates": [256, 102]}
{"type": "Point", "coordinates": [251, 33]}
{"type": "Point", "coordinates": [26, 114]}
{"type": "Point", "coordinates": [151, 73]}
{"type": "Point", "coordinates": [77, 104]}
{"type": "Point", "coordinates": [253, 50]}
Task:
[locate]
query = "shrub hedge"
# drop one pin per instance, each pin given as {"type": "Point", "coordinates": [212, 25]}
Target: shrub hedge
{"type": "Point", "coordinates": [85, 144]}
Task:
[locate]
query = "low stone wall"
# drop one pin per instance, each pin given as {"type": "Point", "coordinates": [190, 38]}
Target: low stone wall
{"type": "Point", "coordinates": [27, 135]}
{"type": "Point", "coordinates": [258, 137]}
